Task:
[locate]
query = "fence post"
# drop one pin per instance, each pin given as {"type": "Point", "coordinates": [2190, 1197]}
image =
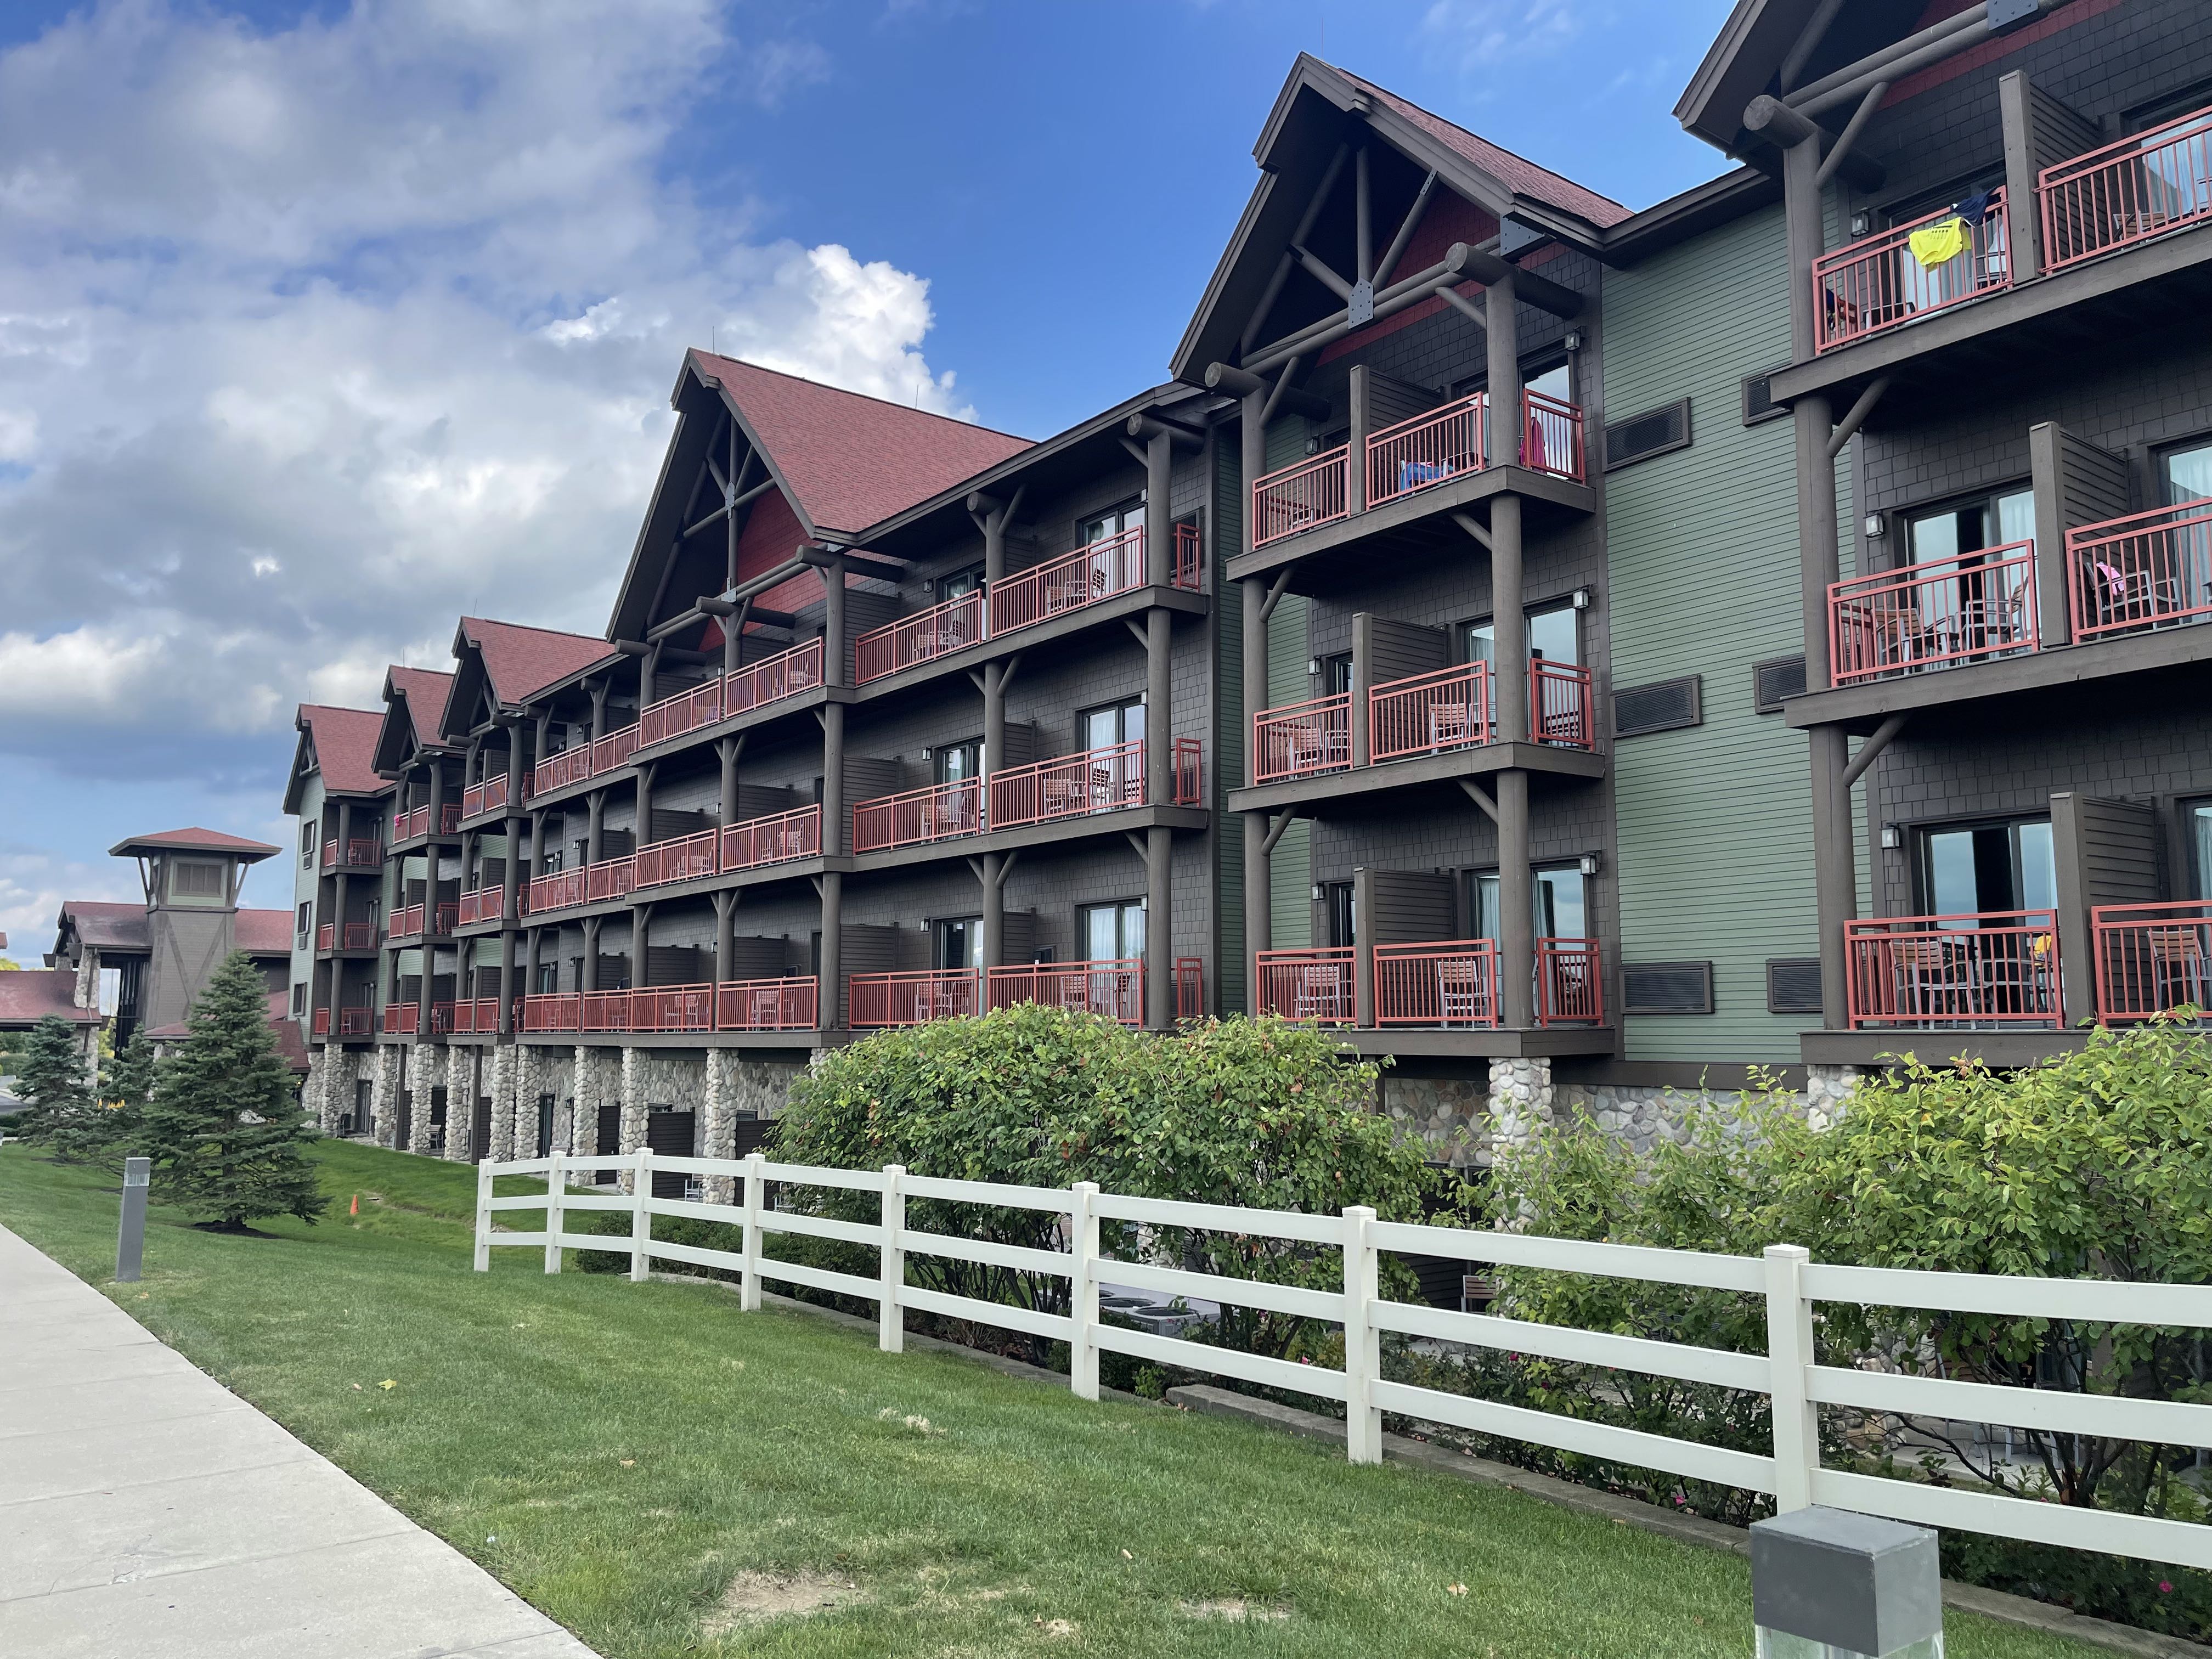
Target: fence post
{"type": "Point", "coordinates": [1083, 1290]}
{"type": "Point", "coordinates": [483, 1216]}
{"type": "Point", "coordinates": [748, 1294]}
{"type": "Point", "coordinates": [556, 1189]}
{"type": "Point", "coordinates": [890, 1317]}
{"type": "Point", "coordinates": [1788, 1353]}
{"type": "Point", "coordinates": [1363, 1352]}
{"type": "Point", "coordinates": [641, 1219]}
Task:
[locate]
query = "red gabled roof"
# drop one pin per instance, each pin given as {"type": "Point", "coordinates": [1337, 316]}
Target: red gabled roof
{"type": "Point", "coordinates": [29, 994]}
{"type": "Point", "coordinates": [265, 933]}
{"type": "Point", "coordinates": [852, 460]}
{"type": "Point", "coordinates": [1517, 174]}
{"type": "Point", "coordinates": [345, 747]}
{"type": "Point", "coordinates": [193, 840]}
{"type": "Point", "coordinates": [107, 925]}
{"type": "Point", "coordinates": [519, 661]}
{"type": "Point", "coordinates": [425, 689]}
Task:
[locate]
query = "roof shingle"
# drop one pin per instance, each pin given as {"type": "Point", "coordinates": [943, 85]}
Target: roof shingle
{"type": "Point", "coordinates": [520, 660]}
{"type": "Point", "coordinates": [345, 747]}
{"type": "Point", "coordinates": [31, 994]}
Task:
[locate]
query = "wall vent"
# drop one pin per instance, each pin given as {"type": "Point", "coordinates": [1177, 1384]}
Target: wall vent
{"type": "Point", "coordinates": [1666, 987]}
{"type": "Point", "coordinates": [1660, 707]}
{"type": "Point", "coordinates": [1773, 680]}
{"type": "Point", "coordinates": [1654, 432]}
{"type": "Point", "coordinates": [1758, 404]}
{"type": "Point", "coordinates": [1793, 985]}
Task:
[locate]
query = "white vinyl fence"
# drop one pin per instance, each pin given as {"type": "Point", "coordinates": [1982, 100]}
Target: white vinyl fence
{"type": "Point", "coordinates": [1791, 1283]}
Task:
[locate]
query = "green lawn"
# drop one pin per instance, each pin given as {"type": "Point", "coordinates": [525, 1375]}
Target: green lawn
{"type": "Point", "coordinates": [621, 1453]}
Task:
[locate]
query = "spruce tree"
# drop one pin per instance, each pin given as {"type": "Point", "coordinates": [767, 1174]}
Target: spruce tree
{"type": "Point", "coordinates": [48, 1067]}
{"type": "Point", "coordinates": [116, 1127]}
{"type": "Point", "coordinates": [224, 1126]}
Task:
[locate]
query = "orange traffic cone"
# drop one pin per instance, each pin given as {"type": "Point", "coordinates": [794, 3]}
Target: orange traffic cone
{"type": "Point", "coordinates": [357, 1204]}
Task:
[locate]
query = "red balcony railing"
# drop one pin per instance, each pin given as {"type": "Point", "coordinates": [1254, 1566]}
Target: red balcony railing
{"type": "Point", "coordinates": [786, 675]}
{"type": "Point", "coordinates": [1316, 985]}
{"type": "Point", "coordinates": [1069, 786]}
{"type": "Point", "coordinates": [773, 840]}
{"type": "Point", "coordinates": [1990, 968]}
{"type": "Point", "coordinates": [687, 711]}
{"type": "Point", "coordinates": [1302, 497]}
{"type": "Point", "coordinates": [913, 998]}
{"type": "Point", "coordinates": [477, 1016]}
{"type": "Point", "coordinates": [1427, 713]}
{"type": "Point", "coordinates": [603, 1010]}
{"type": "Point", "coordinates": [552, 1011]}
{"type": "Point", "coordinates": [1451, 983]}
{"type": "Point", "coordinates": [685, 859]}
{"type": "Point", "coordinates": [1190, 987]}
{"type": "Point", "coordinates": [1569, 987]}
{"type": "Point", "coordinates": [1085, 576]}
{"type": "Point", "coordinates": [1559, 703]}
{"type": "Point", "coordinates": [610, 878]}
{"type": "Point", "coordinates": [360, 853]}
{"type": "Point", "coordinates": [1933, 614]}
{"type": "Point", "coordinates": [2127, 192]}
{"type": "Point", "coordinates": [612, 750]}
{"type": "Point", "coordinates": [1444, 443]}
{"type": "Point", "coordinates": [2152, 958]}
{"type": "Point", "coordinates": [2145, 570]}
{"type": "Point", "coordinates": [447, 916]}
{"type": "Point", "coordinates": [919, 816]}
{"type": "Point", "coordinates": [400, 1018]}
{"type": "Point", "coordinates": [321, 1023]}
{"type": "Point", "coordinates": [939, 631]}
{"type": "Point", "coordinates": [482, 904]}
{"type": "Point", "coordinates": [1552, 436]}
{"type": "Point", "coordinates": [1301, 738]}
{"type": "Point", "coordinates": [767, 1005]}
{"type": "Point", "coordinates": [1188, 571]}
{"type": "Point", "coordinates": [1186, 769]}
{"type": "Point", "coordinates": [559, 771]}
{"type": "Point", "coordinates": [1114, 988]}
{"type": "Point", "coordinates": [489, 796]}
{"type": "Point", "coordinates": [556, 891]}
{"type": "Point", "coordinates": [1877, 283]}
{"type": "Point", "coordinates": [406, 923]}
{"type": "Point", "coordinates": [359, 935]}
{"type": "Point", "coordinates": [326, 937]}
{"type": "Point", "coordinates": [672, 1008]}
{"type": "Point", "coordinates": [408, 825]}
{"type": "Point", "coordinates": [355, 1022]}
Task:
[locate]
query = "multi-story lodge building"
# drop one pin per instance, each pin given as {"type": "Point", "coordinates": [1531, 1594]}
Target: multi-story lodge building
{"type": "Point", "coordinates": [1426, 657]}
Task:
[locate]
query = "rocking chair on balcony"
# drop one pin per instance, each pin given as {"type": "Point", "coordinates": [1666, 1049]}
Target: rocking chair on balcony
{"type": "Point", "coordinates": [1460, 992]}
{"type": "Point", "coordinates": [1320, 993]}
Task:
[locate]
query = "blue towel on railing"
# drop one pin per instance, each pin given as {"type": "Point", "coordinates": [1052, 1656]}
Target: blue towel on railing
{"type": "Point", "coordinates": [1412, 474]}
{"type": "Point", "coordinates": [1975, 208]}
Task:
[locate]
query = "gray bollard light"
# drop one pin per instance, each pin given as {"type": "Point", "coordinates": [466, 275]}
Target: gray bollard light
{"type": "Point", "coordinates": [1832, 1584]}
{"type": "Point", "coordinates": [130, 1237]}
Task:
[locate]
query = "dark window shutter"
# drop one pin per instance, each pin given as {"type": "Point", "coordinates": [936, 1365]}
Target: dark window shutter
{"type": "Point", "coordinates": [1666, 987]}
{"type": "Point", "coordinates": [1773, 680]}
{"type": "Point", "coordinates": [1759, 403]}
{"type": "Point", "coordinates": [1793, 985]}
{"type": "Point", "coordinates": [1660, 707]}
{"type": "Point", "coordinates": [1652, 433]}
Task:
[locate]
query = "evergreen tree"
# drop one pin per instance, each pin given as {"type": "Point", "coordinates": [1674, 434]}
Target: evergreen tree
{"type": "Point", "coordinates": [48, 1067]}
{"type": "Point", "coordinates": [224, 1126]}
{"type": "Point", "coordinates": [115, 1128]}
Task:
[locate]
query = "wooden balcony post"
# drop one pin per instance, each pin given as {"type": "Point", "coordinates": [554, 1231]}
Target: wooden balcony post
{"type": "Point", "coordinates": [835, 644]}
{"type": "Point", "coordinates": [994, 718]}
{"type": "Point", "coordinates": [595, 825]}
{"type": "Point", "coordinates": [2054, 607]}
{"type": "Point", "coordinates": [1516, 904]}
{"type": "Point", "coordinates": [991, 870]}
{"type": "Point", "coordinates": [829, 994]}
{"type": "Point", "coordinates": [726, 933]}
{"type": "Point", "coordinates": [1159, 521]}
{"type": "Point", "coordinates": [1363, 679]}
{"type": "Point", "coordinates": [1362, 954]}
{"type": "Point", "coordinates": [833, 778]}
{"type": "Point", "coordinates": [1355, 454]}
{"type": "Point", "coordinates": [727, 750]}
{"type": "Point", "coordinates": [644, 833]}
{"type": "Point", "coordinates": [1259, 863]}
{"type": "Point", "coordinates": [1508, 682]}
{"type": "Point", "coordinates": [1159, 928]}
{"type": "Point", "coordinates": [1501, 333]}
{"type": "Point", "coordinates": [2023, 221]}
{"type": "Point", "coordinates": [1159, 708]}
{"type": "Point", "coordinates": [591, 953]}
{"type": "Point", "coordinates": [598, 690]}
{"type": "Point", "coordinates": [506, 1002]}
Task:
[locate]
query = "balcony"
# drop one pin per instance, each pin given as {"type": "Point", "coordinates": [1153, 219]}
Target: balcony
{"type": "Point", "coordinates": [754, 1004]}
{"type": "Point", "coordinates": [1988, 970]}
{"type": "Point", "coordinates": [1190, 987]}
{"type": "Point", "coordinates": [1878, 282]}
{"type": "Point", "coordinates": [687, 711]}
{"type": "Point", "coordinates": [353, 936]}
{"type": "Point", "coordinates": [1085, 577]}
{"type": "Point", "coordinates": [399, 1018]}
{"type": "Point", "coordinates": [1424, 714]}
{"type": "Point", "coordinates": [406, 923]}
{"type": "Point", "coordinates": [482, 904]}
{"type": "Point", "coordinates": [1936, 614]}
{"type": "Point", "coordinates": [913, 998]}
{"type": "Point", "coordinates": [787, 675]}
{"type": "Point", "coordinates": [359, 853]}
{"type": "Point", "coordinates": [1414, 455]}
{"type": "Point", "coordinates": [2127, 192]}
{"type": "Point", "coordinates": [2151, 959]}
{"type": "Point", "coordinates": [919, 816]}
{"type": "Point", "coordinates": [480, 800]}
{"type": "Point", "coordinates": [1444, 985]}
{"type": "Point", "coordinates": [685, 859]}
{"type": "Point", "coordinates": [1114, 989]}
{"type": "Point", "coordinates": [592, 883]}
{"type": "Point", "coordinates": [321, 1023]}
{"type": "Point", "coordinates": [1091, 780]}
{"type": "Point", "coordinates": [2145, 570]}
{"type": "Point", "coordinates": [1302, 739]}
{"type": "Point", "coordinates": [774, 840]}
{"type": "Point", "coordinates": [408, 825]}
{"type": "Point", "coordinates": [954, 625]}
{"type": "Point", "coordinates": [1429, 713]}
{"type": "Point", "coordinates": [356, 1022]}
{"type": "Point", "coordinates": [473, 1016]}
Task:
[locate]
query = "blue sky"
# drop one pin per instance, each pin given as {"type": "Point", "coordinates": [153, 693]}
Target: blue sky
{"type": "Point", "coordinates": [319, 326]}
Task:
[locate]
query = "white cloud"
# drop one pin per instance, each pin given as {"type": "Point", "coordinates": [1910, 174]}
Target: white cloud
{"type": "Point", "coordinates": [1483, 38]}
{"type": "Point", "coordinates": [34, 885]}
{"type": "Point", "coordinates": [312, 338]}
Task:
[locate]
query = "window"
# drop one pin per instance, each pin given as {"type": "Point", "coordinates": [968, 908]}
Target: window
{"type": "Point", "coordinates": [1963, 871]}
{"type": "Point", "coordinates": [2197, 816]}
{"type": "Point", "coordinates": [299, 1000]}
{"type": "Point", "coordinates": [1336, 674]}
{"type": "Point", "coordinates": [1557, 901]}
{"type": "Point", "coordinates": [1340, 914]}
{"type": "Point", "coordinates": [1553, 636]}
{"type": "Point", "coordinates": [196, 878]}
{"type": "Point", "coordinates": [1951, 534]}
{"type": "Point", "coordinates": [304, 924]}
{"type": "Point", "coordinates": [308, 844]}
{"type": "Point", "coordinates": [1118, 722]}
{"type": "Point", "coordinates": [549, 978]}
{"type": "Point", "coordinates": [2187, 474]}
{"type": "Point", "coordinates": [957, 942]}
{"type": "Point", "coordinates": [1111, 933]}
{"type": "Point", "coordinates": [960, 583]}
{"type": "Point", "coordinates": [1758, 404]}
{"type": "Point", "coordinates": [1556, 381]}
{"type": "Point", "coordinates": [1104, 527]}
{"type": "Point", "coordinates": [955, 763]}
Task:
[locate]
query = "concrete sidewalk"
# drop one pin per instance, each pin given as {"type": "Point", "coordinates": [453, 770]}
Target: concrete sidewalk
{"type": "Point", "coordinates": [146, 1512]}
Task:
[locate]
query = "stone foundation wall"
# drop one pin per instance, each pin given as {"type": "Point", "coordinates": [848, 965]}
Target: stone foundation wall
{"type": "Point", "coordinates": [328, 1092]}
{"type": "Point", "coordinates": [426, 1070]}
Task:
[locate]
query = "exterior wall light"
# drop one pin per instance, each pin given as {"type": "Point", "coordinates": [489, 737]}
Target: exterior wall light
{"type": "Point", "coordinates": [1313, 665]}
{"type": "Point", "coordinates": [1315, 893]}
{"type": "Point", "coordinates": [1574, 340]}
{"type": "Point", "coordinates": [1588, 864]}
{"type": "Point", "coordinates": [1831, 1585]}
{"type": "Point", "coordinates": [1891, 838]}
{"type": "Point", "coordinates": [1582, 599]}
{"type": "Point", "coordinates": [1874, 523]}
